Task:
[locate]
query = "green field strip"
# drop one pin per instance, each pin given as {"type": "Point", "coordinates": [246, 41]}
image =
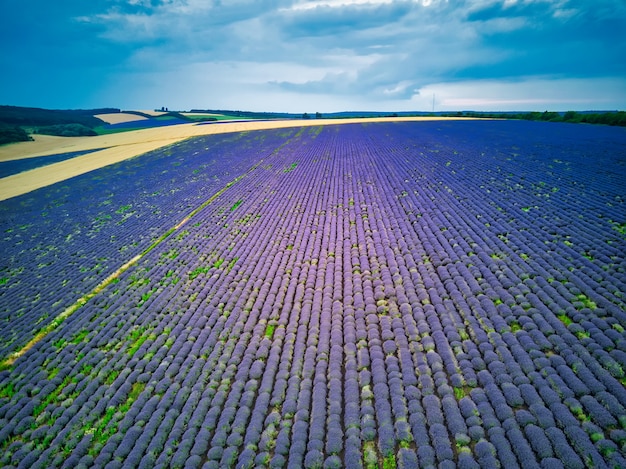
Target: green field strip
{"type": "Point", "coordinates": [40, 335]}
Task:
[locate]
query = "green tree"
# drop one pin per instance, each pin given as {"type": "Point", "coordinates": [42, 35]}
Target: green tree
{"type": "Point", "coordinates": [572, 116]}
{"type": "Point", "coordinates": [12, 133]}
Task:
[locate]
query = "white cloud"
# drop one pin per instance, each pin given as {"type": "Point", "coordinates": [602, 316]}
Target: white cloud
{"type": "Point", "coordinates": [369, 54]}
{"type": "Point", "coordinates": [312, 4]}
{"type": "Point", "coordinates": [398, 89]}
{"type": "Point", "coordinates": [526, 94]}
{"type": "Point", "coordinates": [309, 5]}
{"type": "Point", "coordinates": [501, 25]}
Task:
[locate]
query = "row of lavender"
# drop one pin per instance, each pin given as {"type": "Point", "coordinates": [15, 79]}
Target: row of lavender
{"type": "Point", "coordinates": [361, 299]}
{"type": "Point", "coordinates": [60, 242]}
{"type": "Point", "coordinates": [131, 297]}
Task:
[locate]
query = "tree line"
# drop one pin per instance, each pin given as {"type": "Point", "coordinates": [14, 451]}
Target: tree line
{"type": "Point", "coordinates": [617, 118]}
{"type": "Point", "coordinates": [17, 122]}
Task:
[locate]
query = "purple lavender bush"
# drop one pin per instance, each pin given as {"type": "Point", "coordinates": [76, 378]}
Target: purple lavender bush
{"type": "Point", "coordinates": [432, 294]}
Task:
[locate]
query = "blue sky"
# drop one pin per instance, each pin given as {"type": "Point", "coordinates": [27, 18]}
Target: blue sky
{"type": "Point", "coordinates": [316, 55]}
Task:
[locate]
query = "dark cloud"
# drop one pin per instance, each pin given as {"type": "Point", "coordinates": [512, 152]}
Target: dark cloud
{"type": "Point", "coordinates": [568, 42]}
{"type": "Point", "coordinates": [335, 23]}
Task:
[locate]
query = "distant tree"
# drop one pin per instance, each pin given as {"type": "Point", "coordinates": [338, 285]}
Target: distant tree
{"type": "Point", "coordinates": [318, 115]}
{"type": "Point", "coordinates": [306, 116]}
{"type": "Point", "coordinates": [550, 116]}
{"type": "Point", "coordinates": [12, 133]}
{"type": "Point", "coordinates": [24, 116]}
{"type": "Point", "coordinates": [616, 118]}
{"type": "Point", "coordinates": [67, 130]}
{"type": "Point", "coordinates": [572, 116]}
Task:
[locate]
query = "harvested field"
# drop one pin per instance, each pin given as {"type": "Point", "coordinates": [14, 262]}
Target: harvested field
{"type": "Point", "coordinates": [152, 112]}
{"type": "Point", "coordinates": [40, 146]}
{"type": "Point", "coordinates": [119, 117]}
{"type": "Point", "coordinates": [392, 294]}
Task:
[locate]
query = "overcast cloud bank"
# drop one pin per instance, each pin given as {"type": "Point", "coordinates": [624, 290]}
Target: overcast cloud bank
{"type": "Point", "coordinates": [322, 55]}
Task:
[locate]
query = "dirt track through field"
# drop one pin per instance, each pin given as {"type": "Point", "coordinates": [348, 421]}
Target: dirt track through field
{"type": "Point", "coordinates": [122, 146]}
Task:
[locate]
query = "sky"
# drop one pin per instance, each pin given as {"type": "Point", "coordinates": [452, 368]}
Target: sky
{"type": "Point", "coordinates": [314, 55]}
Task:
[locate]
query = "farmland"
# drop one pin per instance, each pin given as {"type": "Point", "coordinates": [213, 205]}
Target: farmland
{"type": "Point", "coordinates": [399, 294]}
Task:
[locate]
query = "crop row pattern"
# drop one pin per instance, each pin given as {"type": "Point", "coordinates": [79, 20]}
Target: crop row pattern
{"type": "Point", "coordinates": [434, 294]}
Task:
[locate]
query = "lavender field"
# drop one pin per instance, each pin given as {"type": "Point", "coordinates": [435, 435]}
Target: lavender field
{"type": "Point", "coordinates": [412, 294]}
